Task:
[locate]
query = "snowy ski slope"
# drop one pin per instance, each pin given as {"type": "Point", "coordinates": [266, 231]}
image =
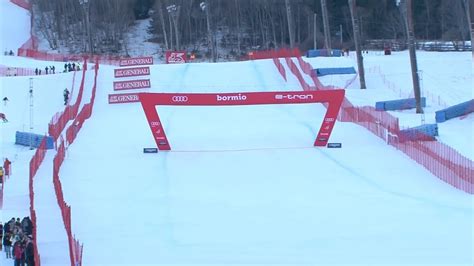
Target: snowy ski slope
{"type": "Point", "coordinates": [244, 185]}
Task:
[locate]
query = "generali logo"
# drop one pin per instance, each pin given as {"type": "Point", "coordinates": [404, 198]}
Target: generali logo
{"type": "Point", "coordinates": [176, 57]}
{"type": "Point", "coordinates": [294, 97]}
{"type": "Point", "coordinates": [228, 98]}
{"type": "Point", "coordinates": [132, 84]}
{"type": "Point", "coordinates": [123, 98]}
{"type": "Point", "coordinates": [136, 61]}
{"type": "Point", "coordinates": [131, 72]}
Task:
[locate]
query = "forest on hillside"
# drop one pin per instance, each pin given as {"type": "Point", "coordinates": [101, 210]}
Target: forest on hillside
{"type": "Point", "coordinates": [237, 26]}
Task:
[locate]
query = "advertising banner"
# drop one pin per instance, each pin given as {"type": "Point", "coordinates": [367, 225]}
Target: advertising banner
{"type": "Point", "coordinates": [132, 84]}
{"type": "Point", "coordinates": [136, 61]}
{"type": "Point", "coordinates": [176, 57]}
{"type": "Point", "coordinates": [333, 98]}
{"type": "Point", "coordinates": [123, 98]}
{"type": "Point", "coordinates": [131, 72]}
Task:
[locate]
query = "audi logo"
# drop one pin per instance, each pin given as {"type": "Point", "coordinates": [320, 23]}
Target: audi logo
{"type": "Point", "coordinates": [179, 98]}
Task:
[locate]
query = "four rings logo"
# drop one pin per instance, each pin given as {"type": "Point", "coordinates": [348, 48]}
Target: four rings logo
{"type": "Point", "coordinates": [179, 98]}
{"type": "Point", "coordinates": [293, 97]}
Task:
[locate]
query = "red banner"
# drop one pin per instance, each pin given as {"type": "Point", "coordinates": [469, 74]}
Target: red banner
{"type": "Point", "coordinates": [123, 98]}
{"type": "Point", "coordinates": [334, 99]}
{"type": "Point", "coordinates": [136, 61]}
{"type": "Point", "coordinates": [131, 72]}
{"type": "Point", "coordinates": [176, 57]}
{"type": "Point", "coordinates": [132, 84]}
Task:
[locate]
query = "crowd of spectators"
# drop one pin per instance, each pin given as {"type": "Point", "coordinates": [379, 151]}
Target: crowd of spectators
{"type": "Point", "coordinates": [17, 241]}
{"type": "Point", "coordinates": [68, 67]}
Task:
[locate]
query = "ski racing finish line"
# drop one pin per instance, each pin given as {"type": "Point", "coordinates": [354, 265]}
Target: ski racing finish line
{"type": "Point", "coordinates": [149, 102]}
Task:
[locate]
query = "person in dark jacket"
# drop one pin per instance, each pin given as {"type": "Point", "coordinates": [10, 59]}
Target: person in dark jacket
{"type": "Point", "coordinates": [27, 225]}
{"type": "Point", "coordinates": [29, 252]}
{"type": "Point", "coordinates": [66, 96]}
{"type": "Point", "coordinates": [1, 236]}
{"type": "Point", "coordinates": [7, 243]}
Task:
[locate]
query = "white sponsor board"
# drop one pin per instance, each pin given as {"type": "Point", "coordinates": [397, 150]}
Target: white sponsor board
{"type": "Point", "coordinates": [132, 84]}
{"type": "Point", "coordinates": [136, 61]}
{"type": "Point", "coordinates": [123, 98]}
{"type": "Point", "coordinates": [131, 72]}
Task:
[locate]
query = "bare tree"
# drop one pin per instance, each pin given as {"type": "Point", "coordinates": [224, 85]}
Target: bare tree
{"type": "Point", "coordinates": [407, 10]}
{"type": "Point", "coordinates": [327, 32]}
{"type": "Point", "coordinates": [469, 9]}
{"type": "Point", "coordinates": [158, 6]}
{"type": "Point", "coordinates": [355, 27]}
{"type": "Point", "coordinates": [290, 23]}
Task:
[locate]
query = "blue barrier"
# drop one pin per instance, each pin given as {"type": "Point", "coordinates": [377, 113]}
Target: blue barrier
{"type": "Point", "coordinates": [150, 150]}
{"type": "Point", "coordinates": [399, 104]}
{"type": "Point", "coordinates": [323, 52]}
{"type": "Point", "coordinates": [27, 139]}
{"type": "Point", "coordinates": [455, 111]}
{"type": "Point", "coordinates": [334, 71]}
{"type": "Point", "coordinates": [423, 132]}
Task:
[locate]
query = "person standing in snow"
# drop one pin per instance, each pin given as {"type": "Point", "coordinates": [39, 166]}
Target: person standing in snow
{"type": "Point", "coordinates": [6, 167]}
{"type": "Point", "coordinates": [1, 235]}
{"type": "Point", "coordinates": [1, 178]}
{"type": "Point", "coordinates": [7, 243]}
{"type": "Point", "coordinates": [17, 253]}
{"type": "Point", "coordinates": [29, 252]}
{"type": "Point", "coordinates": [3, 117]}
{"type": "Point", "coordinates": [66, 96]}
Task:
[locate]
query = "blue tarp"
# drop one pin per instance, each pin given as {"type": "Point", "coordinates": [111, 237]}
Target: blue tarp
{"type": "Point", "coordinates": [34, 140]}
{"type": "Point", "coordinates": [423, 132]}
{"type": "Point", "coordinates": [455, 111]}
{"type": "Point", "coordinates": [334, 71]}
{"type": "Point", "coordinates": [399, 104]}
{"type": "Point", "coordinates": [323, 52]}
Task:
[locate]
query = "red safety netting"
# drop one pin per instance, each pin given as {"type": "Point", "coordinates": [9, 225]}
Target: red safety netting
{"type": "Point", "coordinates": [39, 55]}
{"type": "Point", "coordinates": [15, 71]}
{"type": "Point", "coordinates": [22, 3]}
{"type": "Point", "coordinates": [60, 120]}
{"type": "Point", "coordinates": [441, 160]}
{"type": "Point", "coordinates": [271, 54]}
{"type": "Point", "coordinates": [74, 250]}
{"type": "Point", "coordinates": [84, 114]}
{"type": "Point", "coordinates": [35, 163]}
{"type": "Point", "coordinates": [75, 247]}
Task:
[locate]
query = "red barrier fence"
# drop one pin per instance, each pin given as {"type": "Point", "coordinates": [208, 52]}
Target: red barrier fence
{"type": "Point", "coordinates": [84, 114]}
{"type": "Point", "coordinates": [59, 120]}
{"type": "Point", "coordinates": [438, 158]}
{"type": "Point", "coordinates": [271, 54]}
{"type": "Point", "coordinates": [35, 163]}
{"type": "Point", "coordinates": [22, 3]}
{"type": "Point", "coordinates": [38, 55]}
{"type": "Point", "coordinates": [15, 71]}
{"type": "Point", "coordinates": [75, 248]}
